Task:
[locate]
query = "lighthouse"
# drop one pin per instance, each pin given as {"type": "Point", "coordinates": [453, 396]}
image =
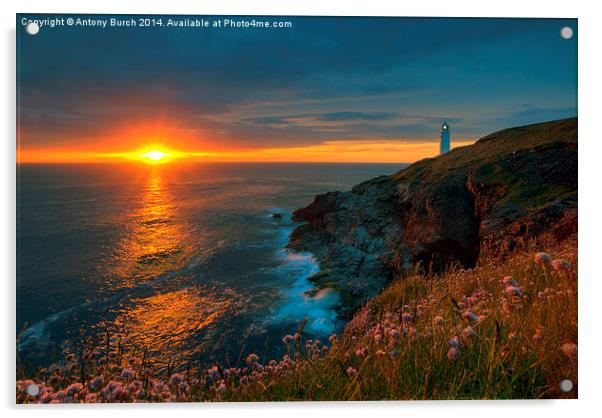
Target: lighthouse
{"type": "Point", "coordinates": [445, 139]}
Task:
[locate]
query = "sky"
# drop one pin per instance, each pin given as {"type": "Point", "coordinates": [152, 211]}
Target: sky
{"type": "Point", "coordinates": [327, 89]}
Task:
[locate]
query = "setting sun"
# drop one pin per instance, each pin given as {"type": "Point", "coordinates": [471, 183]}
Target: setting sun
{"type": "Point", "coordinates": [154, 155]}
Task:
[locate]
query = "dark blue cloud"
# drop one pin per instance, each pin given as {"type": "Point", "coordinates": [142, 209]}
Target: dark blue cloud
{"type": "Point", "coordinates": [368, 77]}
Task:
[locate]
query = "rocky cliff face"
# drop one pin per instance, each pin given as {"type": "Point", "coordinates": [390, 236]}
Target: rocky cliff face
{"type": "Point", "coordinates": [507, 189]}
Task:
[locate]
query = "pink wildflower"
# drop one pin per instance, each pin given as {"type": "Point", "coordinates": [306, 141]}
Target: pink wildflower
{"type": "Point", "coordinates": [221, 389]}
{"type": "Point", "coordinates": [176, 379]}
{"type": "Point", "coordinates": [74, 388]}
{"type": "Point", "coordinates": [470, 315]}
{"type": "Point", "coordinates": [91, 398]}
{"type": "Point", "coordinates": [213, 372]}
{"type": "Point", "coordinates": [561, 265]}
{"type": "Point", "coordinates": [543, 259]}
{"type": "Point", "coordinates": [118, 393]}
{"type": "Point", "coordinates": [361, 352]}
{"type": "Point", "coordinates": [468, 332]}
{"type": "Point", "coordinates": [96, 382]}
{"type": "Point", "coordinates": [127, 373]}
{"type": "Point", "coordinates": [287, 339]}
{"type": "Point", "coordinates": [252, 358]}
{"type": "Point", "coordinates": [351, 371]}
{"type": "Point", "coordinates": [407, 317]}
{"type": "Point", "coordinates": [569, 350]}
{"type": "Point", "coordinates": [509, 281]}
{"type": "Point", "coordinates": [454, 341]}
{"type": "Point", "coordinates": [514, 291]}
{"type": "Point", "coordinates": [453, 353]}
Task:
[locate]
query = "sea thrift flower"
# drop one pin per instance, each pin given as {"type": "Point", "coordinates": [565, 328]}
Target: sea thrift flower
{"type": "Point", "coordinates": [351, 371]}
{"type": "Point", "coordinates": [91, 398]}
{"type": "Point", "coordinates": [453, 353]}
{"type": "Point", "coordinates": [407, 317]}
{"type": "Point", "coordinates": [118, 393]}
{"type": "Point", "coordinates": [543, 259]}
{"type": "Point", "coordinates": [538, 334]}
{"type": "Point", "coordinates": [569, 350]}
{"type": "Point", "coordinates": [468, 332]}
{"type": "Point", "coordinates": [176, 379]}
{"type": "Point", "coordinates": [213, 372]}
{"type": "Point", "coordinates": [221, 389]}
{"type": "Point", "coordinates": [470, 315]}
{"type": "Point", "coordinates": [514, 291]}
{"type": "Point", "coordinates": [252, 358]}
{"type": "Point", "coordinates": [287, 339]}
{"type": "Point", "coordinates": [561, 265]}
{"type": "Point", "coordinates": [96, 383]}
{"type": "Point", "coordinates": [74, 388]}
{"type": "Point", "coordinates": [361, 352]}
{"type": "Point", "coordinates": [454, 341]}
{"type": "Point", "coordinates": [127, 373]}
{"type": "Point", "coordinates": [509, 281]}
{"type": "Point", "coordinates": [439, 320]}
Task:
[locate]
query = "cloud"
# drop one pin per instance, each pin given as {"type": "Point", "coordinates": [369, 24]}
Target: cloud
{"type": "Point", "coordinates": [326, 78]}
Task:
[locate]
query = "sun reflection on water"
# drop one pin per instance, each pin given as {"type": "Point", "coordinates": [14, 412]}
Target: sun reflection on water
{"type": "Point", "coordinates": [147, 271]}
{"type": "Point", "coordinates": [170, 320]}
{"type": "Point", "coordinates": [153, 242]}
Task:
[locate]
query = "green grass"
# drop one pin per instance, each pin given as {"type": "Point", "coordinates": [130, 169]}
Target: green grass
{"type": "Point", "coordinates": [520, 345]}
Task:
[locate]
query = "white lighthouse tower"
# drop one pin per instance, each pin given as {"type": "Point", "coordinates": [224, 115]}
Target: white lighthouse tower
{"type": "Point", "coordinates": [445, 145]}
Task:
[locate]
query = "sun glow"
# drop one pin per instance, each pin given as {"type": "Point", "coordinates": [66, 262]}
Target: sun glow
{"type": "Point", "coordinates": [154, 155]}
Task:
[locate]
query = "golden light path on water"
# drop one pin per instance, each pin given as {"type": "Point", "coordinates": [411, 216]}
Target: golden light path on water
{"type": "Point", "coordinates": [168, 321]}
{"type": "Point", "coordinates": [153, 241]}
{"type": "Point", "coordinates": [154, 244]}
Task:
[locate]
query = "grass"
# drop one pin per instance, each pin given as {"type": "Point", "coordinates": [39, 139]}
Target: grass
{"type": "Point", "coordinates": [506, 329]}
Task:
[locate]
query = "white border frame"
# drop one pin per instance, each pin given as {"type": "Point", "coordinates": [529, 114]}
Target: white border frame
{"type": "Point", "coordinates": [590, 150]}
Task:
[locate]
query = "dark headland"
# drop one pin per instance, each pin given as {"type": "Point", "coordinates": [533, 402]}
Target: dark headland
{"type": "Point", "coordinates": [510, 189]}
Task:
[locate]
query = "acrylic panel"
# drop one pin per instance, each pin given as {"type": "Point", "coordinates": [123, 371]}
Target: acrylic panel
{"type": "Point", "coordinates": [285, 208]}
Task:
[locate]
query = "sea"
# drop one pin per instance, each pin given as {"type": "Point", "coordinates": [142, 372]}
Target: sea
{"type": "Point", "coordinates": [184, 261]}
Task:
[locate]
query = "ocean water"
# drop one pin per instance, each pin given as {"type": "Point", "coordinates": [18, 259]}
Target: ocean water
{"type": "Point", "coordinates": [186, 261]}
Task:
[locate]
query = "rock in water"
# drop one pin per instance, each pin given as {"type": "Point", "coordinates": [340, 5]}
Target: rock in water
{"type": "Point", "coordinates": [509, 187]}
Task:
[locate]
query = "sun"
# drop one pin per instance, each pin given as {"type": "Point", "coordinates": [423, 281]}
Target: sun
{"type": "Point", "coordinates": [155, 155]}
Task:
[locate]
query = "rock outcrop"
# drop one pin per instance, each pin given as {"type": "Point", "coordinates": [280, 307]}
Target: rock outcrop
{"type": "Point", "coordinates": [504, 191]}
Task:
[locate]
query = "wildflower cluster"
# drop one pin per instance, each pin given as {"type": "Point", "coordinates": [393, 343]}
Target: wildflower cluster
{"type": "Point", "coordinates": [505, 329]}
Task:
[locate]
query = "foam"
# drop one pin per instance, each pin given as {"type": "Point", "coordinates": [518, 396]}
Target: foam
{"type": "Point", "coordinates": [298, 303]}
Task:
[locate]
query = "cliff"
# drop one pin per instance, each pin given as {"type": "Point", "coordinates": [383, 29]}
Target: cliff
{"type": "Point", "coordinates": [509, 189]}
